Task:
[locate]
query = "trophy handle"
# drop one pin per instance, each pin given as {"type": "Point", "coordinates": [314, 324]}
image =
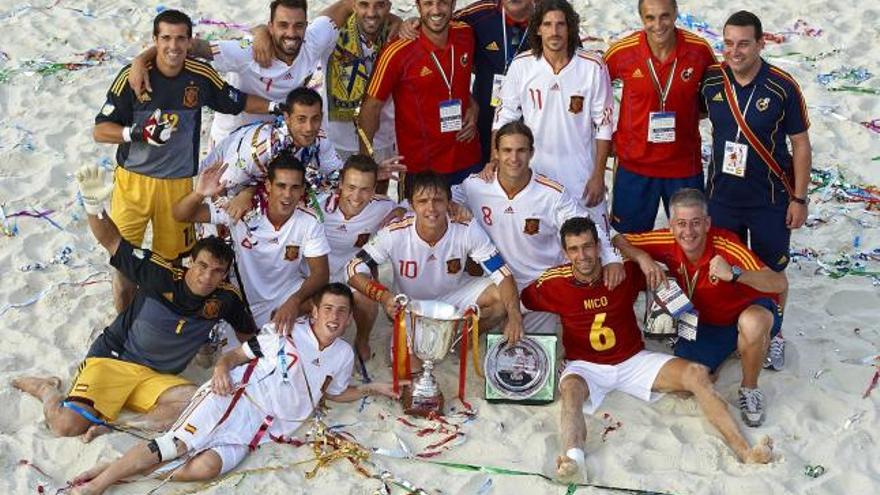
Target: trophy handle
{"type": "Point", "coordinates": [402, 300]}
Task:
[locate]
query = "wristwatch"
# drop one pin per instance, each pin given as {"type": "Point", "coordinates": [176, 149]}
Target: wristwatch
{"type": "Point", "coordinates": [736, 273]}
{"type": "Point", "coordinates": [800, 201]}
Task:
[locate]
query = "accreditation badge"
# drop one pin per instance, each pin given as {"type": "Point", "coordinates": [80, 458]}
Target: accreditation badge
{"type": "Point", "coordinates": [450, 115]}
{"type": "Point", "coordinates": [497, 81]}
{"type": "Point", "coordinates": [735, 155]}
{"type": "Point", "coordinates": [661, 127]}
{"type": "Point", "coordinates": [687, 325]}
{"type": "Point", "coordinates": [524, 372]}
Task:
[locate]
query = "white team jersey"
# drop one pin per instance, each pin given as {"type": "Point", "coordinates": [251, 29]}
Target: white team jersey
{"type": "Point", "coordinates": [346, 236]}
{"type": "Point", "coordinates": [525, 228]}
{"type": "Point", "coordinates": [566, 112]}
{"type": "Point", "coordinates": [248, 151]}
{"type": "Point", "coordinates": [342, 133]}
{"type": "Point", "coordinates": [270, 260]}
{"type": "Point", "coordinates": [429, 272]}
{"type": "Point", "coordinates": [288, 401]}
{"type": "Point", "coordinates": [236, 60]}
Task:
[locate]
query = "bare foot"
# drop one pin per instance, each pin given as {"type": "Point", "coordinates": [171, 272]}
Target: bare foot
{"type": "Point", "coordinates": [94, 432]}
{"type": "Point", "coordinates": [761, 453]}
{"type": "Point", "coordinates": [567, 470]}
{"type": "Point", "coordinates": [36, 386]}
{"type": "Point", "coordinates": [90, 474]}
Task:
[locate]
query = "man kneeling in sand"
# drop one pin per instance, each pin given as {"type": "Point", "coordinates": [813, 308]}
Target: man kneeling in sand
{"type": "Point", "coordinates": [134, 363]}
{"type": "Point", "coordinates": [245, 406]}
{"type": "Point", "coordinates": [605, 351]}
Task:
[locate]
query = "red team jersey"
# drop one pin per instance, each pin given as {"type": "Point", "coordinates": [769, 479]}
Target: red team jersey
{"type": "Point", "coordinates": [719, 303]}
{"type": "Point", "coordinates": [598, 325]}
{"type": "Point", "coordinates": [627, 61]}
{"type": "Point", "coordinates": [407, 71]}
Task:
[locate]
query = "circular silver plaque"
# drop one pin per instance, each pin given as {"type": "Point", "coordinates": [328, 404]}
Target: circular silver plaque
{"type": "Point", "coordinates": [517, 371]}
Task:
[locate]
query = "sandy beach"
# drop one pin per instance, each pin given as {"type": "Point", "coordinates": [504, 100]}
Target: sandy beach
{"type": "Point", "coordinates": [57, 59]}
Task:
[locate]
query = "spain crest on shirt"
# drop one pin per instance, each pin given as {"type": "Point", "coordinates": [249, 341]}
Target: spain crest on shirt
{"type": "Point", "coordinates": [576, 104]}
{"type": "Point", "coordinates": [211, 309]}
{"type": "Point", "coordinates": [532, 226]}
{"type": "Point", "coordinates": [291, 253]}
{"type": "Point", "coordinates": [453, 266]}
{"type": "Point", "coordinates": [191, 97]}
{"type": "Point", "coordinates": [362, 239]}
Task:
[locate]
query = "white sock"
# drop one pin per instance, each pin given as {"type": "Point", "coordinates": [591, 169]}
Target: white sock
{"type": "Point", "coordinates": [577, 455]}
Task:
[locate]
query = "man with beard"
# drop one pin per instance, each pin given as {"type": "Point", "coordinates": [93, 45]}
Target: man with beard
{"type": "Point", "coordinates": [564, 95]}
{"type": "Point", "coordinates": [429, 79]}
{"type": "Point", "coordinates": [296, 53]}
{"type": "Point", "coordinates": [361, 39]}
{"type": "Point", "coordinates": [271, 247]}
{"type": "Point", "coordinates": [605, 352]}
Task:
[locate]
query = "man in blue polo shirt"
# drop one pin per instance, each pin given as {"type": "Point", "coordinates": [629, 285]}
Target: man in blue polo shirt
{"type": "Point", "coordinates": [756, 188]}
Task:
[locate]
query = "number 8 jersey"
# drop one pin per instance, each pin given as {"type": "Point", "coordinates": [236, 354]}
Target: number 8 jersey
{"type": "Point", "coordinates": [598, 325]}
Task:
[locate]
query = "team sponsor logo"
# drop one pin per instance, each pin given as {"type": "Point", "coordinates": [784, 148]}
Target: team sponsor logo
{"type": "Point", "coordinates": [425, 72]}
{"type": "Point", "coordinates": [191, 97]}
{"type": "Point", "coordinates": [107, 109]}
{"type": "Point", "coordinates": [762, 104]}
{"type": "Point", "coordinates": [555, 87]}
{"type": "Point", "coordinates": [234, 94]}
{"type": "Point", "coordinates": [211, 309]}
{"type": "Point", "coordinates": [291, 253]}
{"type": "Point", "coordinates": [453, 266]}
{"type": "Point", "coordinates": [576, 104]}
{"type": "Point", "coordinates": [492, 47]}
{"type": "Point", "coordinates": [169, 296]}
{"type": "Point", "coordinates": [138, 253]}
{"type": "Point", "coordinates": [637, 74]}
{"type": "Point", "coordinates": [509, 210]}
{"type": "Point", "coordinates": [189, 428]}
{"type": "Point", "coordinates": [464, 60]}
{"type": "Point", "coordinates": [782, 260]}
{"type": "Point", "coordinates": [686, 74]}
{"type": "Point", "coordinates": [532, 226]}
{"type": "Point", "coordinates": [362, 240]}
{"type": "Point", "coordinates": [718, 97]}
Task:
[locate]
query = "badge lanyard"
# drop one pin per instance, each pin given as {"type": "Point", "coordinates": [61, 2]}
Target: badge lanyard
{"type": "Point", "coordinates": [662, 93]}
{"type": "Point", "coordinates": [748, 104]}
{"type": "Point", "coordinates": [690, 282]}
{"type": "Point", "coordinates": [446, 80]}
{"type": "Point", "coordinates": [507, 57]}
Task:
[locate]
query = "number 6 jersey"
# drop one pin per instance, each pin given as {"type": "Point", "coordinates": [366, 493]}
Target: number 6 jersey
{"type": "Point", "coordinates": [598, 325]}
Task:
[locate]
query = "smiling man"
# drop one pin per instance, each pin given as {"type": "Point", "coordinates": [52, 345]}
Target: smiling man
{"type": "Point", "coordinates": [756, 187]}
{"type": "Point", "coordinates": [272, 246]}
{"type": "Point", "coordinates": [736, 295]}
{"type": "Point", "coordinates": [352, 214]}
{"type": "Point", "coordinates": [285, 378]}
{"type": "Point", "coordinates": [158, 140]}
{"type": "Point", "coordinates": [427, 252]}
{"type": "Point", "coordinates": [605, 352]}
{"type": "Point", "coordinates": [657, 140]}
{"type": "Point", "coordinates": [134, 363]}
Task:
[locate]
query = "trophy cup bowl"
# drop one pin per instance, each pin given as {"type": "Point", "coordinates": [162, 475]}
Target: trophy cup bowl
{"type": "Point", "coordinates": [430, 331]}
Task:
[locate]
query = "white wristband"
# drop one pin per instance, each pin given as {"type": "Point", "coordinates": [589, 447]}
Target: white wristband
{"type": "Point", "coordinates": [126, 134]}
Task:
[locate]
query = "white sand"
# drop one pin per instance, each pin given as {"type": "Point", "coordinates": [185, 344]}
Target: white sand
{"type": "Point", "coordinates": [45, 134]}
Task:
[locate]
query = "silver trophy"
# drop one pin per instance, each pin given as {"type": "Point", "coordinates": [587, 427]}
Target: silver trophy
{"type": "Point", "coordinates": [430, 329]}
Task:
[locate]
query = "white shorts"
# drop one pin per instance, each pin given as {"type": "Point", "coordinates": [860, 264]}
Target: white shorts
{"type": "Point", "coordinates": [634, 376]}
{"type": "Point", "coordinates": [262, 310]}
{"type": "Point", "coordinates": [467, 294]}
{"type": "Point", "coordinates": [196, 428]}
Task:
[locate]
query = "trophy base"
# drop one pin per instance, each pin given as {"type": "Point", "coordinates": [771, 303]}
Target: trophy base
{"type": "Point", "coordinates": [417, 405]}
